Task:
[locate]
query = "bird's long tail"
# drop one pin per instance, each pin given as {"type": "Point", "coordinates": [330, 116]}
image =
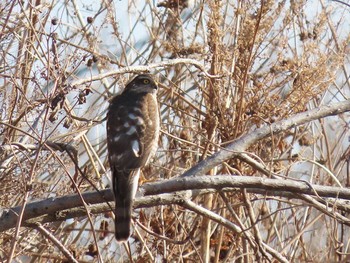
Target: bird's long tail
{"type": "Point", "coordinates": [124, 186]}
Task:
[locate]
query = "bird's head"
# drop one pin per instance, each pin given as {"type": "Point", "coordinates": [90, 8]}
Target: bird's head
{"type": "Point", "coordinates": [142, 84]}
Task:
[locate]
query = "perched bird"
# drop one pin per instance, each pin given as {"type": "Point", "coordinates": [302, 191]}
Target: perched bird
{"type": "Point", "coordinates": [176, 3]}
{"type": "Point", "coordinates": [132, 139]}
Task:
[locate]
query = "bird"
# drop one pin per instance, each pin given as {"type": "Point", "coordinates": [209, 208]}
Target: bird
{"type": "Point", "coordinates": [133, 125]}
{"type": "Point", "coordinates": [176, 4]}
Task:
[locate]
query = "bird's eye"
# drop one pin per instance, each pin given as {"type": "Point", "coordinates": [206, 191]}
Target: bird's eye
{"type": "Point", "coordinates": [145, 81]}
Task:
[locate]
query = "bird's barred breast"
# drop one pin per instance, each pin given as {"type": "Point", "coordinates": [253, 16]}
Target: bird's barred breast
{"type": "Point", "coordinates": [134, 130]}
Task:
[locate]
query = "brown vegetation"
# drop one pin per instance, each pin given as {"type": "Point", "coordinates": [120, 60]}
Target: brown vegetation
{"type": "Point", "coordinates": [233, 77]}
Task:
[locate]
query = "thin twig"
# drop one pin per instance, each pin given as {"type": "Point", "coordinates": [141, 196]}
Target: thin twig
{"type": "Point", "coordinates": [54, 240]}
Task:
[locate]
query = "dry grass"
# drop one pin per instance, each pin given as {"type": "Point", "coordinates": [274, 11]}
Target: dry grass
{"type": "Point", "coordinates": [271, 59]}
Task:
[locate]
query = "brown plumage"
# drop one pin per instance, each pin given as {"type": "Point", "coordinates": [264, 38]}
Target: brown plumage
{"type": "Point", "coordinates": [132, 139]}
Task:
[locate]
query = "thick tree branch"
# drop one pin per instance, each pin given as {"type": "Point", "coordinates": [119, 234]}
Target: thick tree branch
{"type": "Point", "coordinates": [219, 182]}
{"type": "Point", "coordinates": [163, 193]}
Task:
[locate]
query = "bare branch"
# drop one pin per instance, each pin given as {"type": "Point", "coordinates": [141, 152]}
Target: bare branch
{"type": "Point", "coordinates": [164, 193]}
{"type": "Point", "coordinates": [54, 240]}
{"type": "Point", "coordinates": [139, 69]}
{"type": "Point", "coordinates": [242, 143]}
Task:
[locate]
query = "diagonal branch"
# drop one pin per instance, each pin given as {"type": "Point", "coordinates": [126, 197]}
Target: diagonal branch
{"type": "Point", "coordinates": [242, 143]}
{"type": "Point", "coordinates": [57, 242]}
